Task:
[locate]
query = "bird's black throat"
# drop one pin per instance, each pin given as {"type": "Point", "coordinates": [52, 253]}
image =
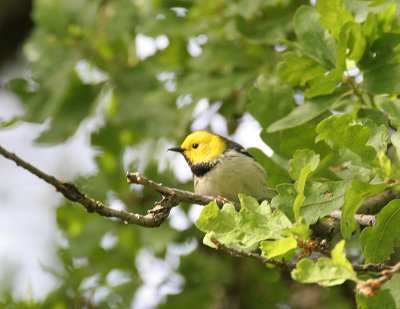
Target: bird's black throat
{"type": "Point", "coordinates": [200, 169]}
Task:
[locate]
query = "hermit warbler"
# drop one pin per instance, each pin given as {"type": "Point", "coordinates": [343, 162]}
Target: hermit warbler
{"type": "Point", "coordinates": [223, 168]}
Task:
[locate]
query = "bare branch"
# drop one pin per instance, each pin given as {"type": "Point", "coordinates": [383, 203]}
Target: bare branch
{"type": "Point", "coordinates": [180, 195]}
{"type": "Point", "coordinates": [325, 228]}
{"type": "Point", "coordinates": [154, 217]}
{"type": "Point", "coordinates": [364, 215]}
{"type": "Point", "coordinates": [374, 204]}
{"type": "Point", "coordinates": [371, 286]}
{"type": "Point", "coordinates": [371, 267]}
{"type": "Point", "coordinates": [364, 220]}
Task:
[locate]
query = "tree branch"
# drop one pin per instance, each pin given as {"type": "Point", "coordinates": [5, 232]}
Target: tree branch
{"type": "Point", "coordinates": [71, 192]}
{"type": "Point", "coordinates": [371, 286]}
{"type": "Point", "coordinates": [364, 216]}
{"type": "Point", "coordinates": [374, 204]}
{"type": "Point", "coordinates": [325, 228]}
{"type": "Point", "coordinates": [181, 195]}
{"type": "Point", "coordinates": [371, 267]}
{"type": "Point", "coordinates": [364, 220]}
{"type": "Point", "coordinates": [154, 217]}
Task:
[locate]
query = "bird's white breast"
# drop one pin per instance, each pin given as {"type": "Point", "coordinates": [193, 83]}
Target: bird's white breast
{"type": "Point", "coordinates": [234, 173]}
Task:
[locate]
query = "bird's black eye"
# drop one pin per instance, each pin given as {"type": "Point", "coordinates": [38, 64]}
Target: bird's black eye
{"type": "Point", "coordinates": [195, 146]}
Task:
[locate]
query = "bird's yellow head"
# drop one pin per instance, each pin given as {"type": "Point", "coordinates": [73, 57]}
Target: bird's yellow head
{"type": "Point", "coordinates": [201, 147]}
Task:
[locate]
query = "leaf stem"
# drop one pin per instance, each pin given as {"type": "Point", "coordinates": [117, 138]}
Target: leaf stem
{"type": "Point", "coordinates": [350, 82]}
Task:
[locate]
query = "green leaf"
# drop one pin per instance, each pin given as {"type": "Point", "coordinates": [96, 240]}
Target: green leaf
{"type": "Point", "coordinates": [370, 27]}
{"type": "Point", "coordinates": [301, 229]}
{"type": "Point", "coordinates": [285, 199]}
{"type": "Point", "coordinates": [301, 159]}
{"type": "Point", "coordinates": [72, 107]}
{"type": "Point", "coordinates": [274, 96]}
{"type": "Point", "coordinates": [334, 15]}
{"type": "Point", "coordinates": [215, 55]}
{"type": "Point", "coordinates": [215, 87]}
{"type": "Point", "coordinates": [378, 136]}
{"type": "Point", "coordinates": [304, 113]}
{"type": "Point", "coordinates": [392, 110]}
{"type": "Point", "coordinates": [347, 136]}
{"type": "Point", "coordinates": [382, 300]}
{"type": "Point", "coordinates": [314, 41]}
{"type": "Point", "coordinates": [383, 79]}
{"type": "Point", "coordinates": [267, 30]}
{"type": "Point", "coordinates": [245, 228]}
{"type": "Point", "coordinates": [383, 51]}
{"type": "Point", "coordinates": [320, 199]}
{"type": "Point", "coordinates": [20, 87]}
{"type": "Point", "coordinates": [303, 163]}
{"type": "Point", "coordinates": [380, 239]}
{"type": "Point", "coordinates": [278, 247]}
{"type": "Point", "coordinates": [339, 258]}
{"type": "Point", "coordinates": [297, 69]}
{"type": "Point", "coordinates": [322, 272]}
{"type": "Point", "coordinates": [271, 101]}
{"type": "Point", "coordinates": [324, 84]}
{"type": "Point", "coordinates": [61, 97]}
{"type": "Point", "coordinates": [393, 285]}
{"type": "Point", "coordinates": [356, 42]}
{"type": "Point", "coordinates": [325, 271]}
{"type": "Point", "coordinates": [292, 141]}
{"type": "Point", "coordinates": [353, 199]}
{"type": "Point", "coordinates": [395, 139]}
{"type": "Point", "coordinates": [351, 44]}
{"type": "Point", "coordinates": [376, 116]}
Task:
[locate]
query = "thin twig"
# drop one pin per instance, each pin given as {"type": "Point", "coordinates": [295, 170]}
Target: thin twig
{"type": "Point", "coordinates": [181, 195]}
{"type": "Point", "coordinates": [241, 253]}
{"type": "Point", "coordinates": [371, 267]}
{"type": "Point", "coordinates": [73, 193]}
{"type": "Point", "coordinates": [371, 286]}
{"type": "Point", "coordinates": [350, 81]}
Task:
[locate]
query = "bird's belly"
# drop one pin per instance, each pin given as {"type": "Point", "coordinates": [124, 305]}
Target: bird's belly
{"type": "Point", "coordinates": [228, 179]}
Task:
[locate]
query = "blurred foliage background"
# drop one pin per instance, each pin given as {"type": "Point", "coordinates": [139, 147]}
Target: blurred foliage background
{"type": "Point", "coordinates": [86, 64]}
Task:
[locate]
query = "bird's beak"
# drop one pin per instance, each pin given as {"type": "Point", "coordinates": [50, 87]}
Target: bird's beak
{"type": "Point", "coordinates": [177, 149]}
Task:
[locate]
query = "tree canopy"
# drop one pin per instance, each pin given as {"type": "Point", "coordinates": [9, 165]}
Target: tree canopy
{"type": "Point", "coordinates": [322, 80]}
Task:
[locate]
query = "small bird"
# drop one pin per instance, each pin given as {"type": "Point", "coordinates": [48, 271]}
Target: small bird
{"type": "Point", "coordinates": [223, 168]}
